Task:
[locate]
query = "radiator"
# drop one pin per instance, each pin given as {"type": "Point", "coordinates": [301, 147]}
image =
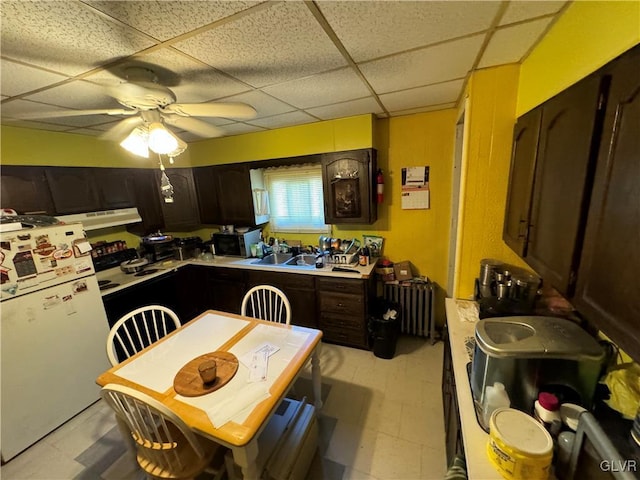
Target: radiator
{"type": "Point", "coordinates": [416, 302]}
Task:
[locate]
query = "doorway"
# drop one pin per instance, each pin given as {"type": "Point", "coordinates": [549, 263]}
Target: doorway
{"type": "Point", "coordinates": [459, 157]}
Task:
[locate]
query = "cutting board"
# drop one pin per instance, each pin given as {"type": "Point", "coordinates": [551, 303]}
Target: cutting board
{"type": "Point", "coordinates": [188, 382]}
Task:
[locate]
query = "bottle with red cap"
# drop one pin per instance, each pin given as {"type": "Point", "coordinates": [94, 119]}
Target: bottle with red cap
{"type": "Point", "coordinates": [547, 411]}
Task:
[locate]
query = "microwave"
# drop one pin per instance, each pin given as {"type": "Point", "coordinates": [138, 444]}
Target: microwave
{"type": "Point", "coordinates": [235, 244]}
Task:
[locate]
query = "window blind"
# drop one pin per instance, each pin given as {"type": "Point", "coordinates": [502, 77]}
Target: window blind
{"type": "Point", "coordinates": [296, 199]}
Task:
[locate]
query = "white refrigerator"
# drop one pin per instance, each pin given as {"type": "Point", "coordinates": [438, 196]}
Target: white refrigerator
{"type": "Point", "coordinates": [53, 331]}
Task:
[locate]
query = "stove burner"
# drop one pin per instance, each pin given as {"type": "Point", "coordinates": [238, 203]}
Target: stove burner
{"type": "Point", "coordinates": [108, 285]}
{"type": "Point", "coordinates": [103, 282]}
{"type": "Point", "coordinates": [149, 271]}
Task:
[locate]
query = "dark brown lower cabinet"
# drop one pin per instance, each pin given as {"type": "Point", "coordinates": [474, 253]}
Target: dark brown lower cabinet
{"type": "Point", "coordinates": [299, 289]}
{"type": "Point", "coordinates": [453, 429]}
{"type": "Point", "coordinates": [343, 310]}
{"type": "Point", "coordinates": [226, 288]}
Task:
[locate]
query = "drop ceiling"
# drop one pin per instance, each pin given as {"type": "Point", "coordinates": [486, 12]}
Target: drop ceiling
{"type": "Point", "coordinates": [295, 62]}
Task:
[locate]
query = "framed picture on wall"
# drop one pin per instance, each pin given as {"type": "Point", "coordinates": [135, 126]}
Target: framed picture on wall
{"type": "Point", "coordinates": [374, 243]}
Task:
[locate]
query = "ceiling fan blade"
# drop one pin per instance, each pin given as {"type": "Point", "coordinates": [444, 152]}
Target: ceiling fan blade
{"type": "Point", "coordinates": [120, 130]}
{"type": "Point", "coordinates": [193, 125]}
{"type": "Point", "coordinates": [212, 109]}
{"type": "Point", "coordinates": [75, 113]}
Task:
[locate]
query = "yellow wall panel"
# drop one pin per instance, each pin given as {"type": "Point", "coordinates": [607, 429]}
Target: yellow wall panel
{"type": "Point", "coordinates": [587, 35]}
{"type": "Point", "coordinates": [492, 94]}
{"type": "Point", "coordinates": [329, 136]}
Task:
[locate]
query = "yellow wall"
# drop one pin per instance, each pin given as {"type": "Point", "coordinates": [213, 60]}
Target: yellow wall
{"type": "Point", "coordinates": [329, 136]}
{"type": "Point", "coordinates": [492, 105]}
{"type": "Point", "coordinates": [587, 35]}
{"type": "Point", "coordinates": [421, 236]}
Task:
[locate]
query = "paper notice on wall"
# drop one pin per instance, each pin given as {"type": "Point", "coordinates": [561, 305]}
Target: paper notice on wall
{"type": "Point", "coordinates": [415, 188]}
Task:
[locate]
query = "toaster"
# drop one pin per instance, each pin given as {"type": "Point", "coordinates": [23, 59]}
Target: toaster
{"type": "Point", "coordinates": [530, 354]}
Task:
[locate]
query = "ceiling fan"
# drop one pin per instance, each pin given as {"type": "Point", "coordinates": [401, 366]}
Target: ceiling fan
{"type": "Point", "coordinates": [149, 103]}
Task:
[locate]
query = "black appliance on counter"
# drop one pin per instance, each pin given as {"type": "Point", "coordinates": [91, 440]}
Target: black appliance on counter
{"type": "Point", "coordinates": [504, 290]}
{"type": "Point", "coordinates": [114, 259]}
{"type": "Point", "coordinates": [158, 247]}
{"type": "Point", "coordinates": [187, 247]}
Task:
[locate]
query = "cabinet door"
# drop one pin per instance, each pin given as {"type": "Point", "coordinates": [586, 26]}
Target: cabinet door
{"type": "Point", "coordinates": [234, 195]}
{"type": "Point", "coordinates": [192, 295]}
{"type": "Point", "coordinates": [181, 214]}
{"type": "Point", "coordinates": [73, 189]}
{"type": "Point", "coordinates": [25, 189]}
{"type": "Point", "coordinates": [299, 290]}
{"type": "Point", "coordinates": [570, 123]}
{"type": "Point", "coordinates": [207, 192]}
{"type": "Point", "coordinates": [227, 287]}
{"type": "Point", "coordinates": [608, 289]}
{"type": "Point", "coordinates": [523, 163]}
{"type": "Point", "coordinates": [147, 200]}
{"type": "Point", "coordinates": [116, 187]}
{"type": "Point", "coordinates": [347, 180]}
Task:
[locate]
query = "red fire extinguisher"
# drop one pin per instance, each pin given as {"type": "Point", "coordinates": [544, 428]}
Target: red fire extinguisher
{"type": "Point", "coordinates": [380, 186]}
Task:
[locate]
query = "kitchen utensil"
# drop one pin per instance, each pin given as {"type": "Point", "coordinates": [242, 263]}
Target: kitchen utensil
{"type": "Point", "coordinates": [324, 243]}
{"type": "Point", "coordinates": [335, 243]}
{"type": "Point", "coordinates": [134, 266]}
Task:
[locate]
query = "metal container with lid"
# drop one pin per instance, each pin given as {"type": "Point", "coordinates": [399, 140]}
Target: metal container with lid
{"type": "Point", "coordinates": [529, 353]}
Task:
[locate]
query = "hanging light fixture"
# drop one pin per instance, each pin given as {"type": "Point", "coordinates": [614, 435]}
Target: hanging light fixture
{"type": "Point", "coordinates": [137, 142]}
{"type": "Point", "coordinates": [161, 140]}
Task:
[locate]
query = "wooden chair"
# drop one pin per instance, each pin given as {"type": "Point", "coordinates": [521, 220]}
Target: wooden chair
{"type": "Point", "coordinates": [165, 446]}
{"type": "Point", "coordinates": [139, 329]}
{"type": "Point", "coordinates": [267, 303]}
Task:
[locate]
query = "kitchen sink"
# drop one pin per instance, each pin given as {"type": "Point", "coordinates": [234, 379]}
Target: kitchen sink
{"type": "Point", "coordinates": [302, 260]}
{"type": "Point", "coordinates": [273, 259]}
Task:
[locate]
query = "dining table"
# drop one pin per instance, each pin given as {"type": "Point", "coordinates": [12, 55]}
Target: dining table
{"type": "Point", "coordinates": [235, 414]}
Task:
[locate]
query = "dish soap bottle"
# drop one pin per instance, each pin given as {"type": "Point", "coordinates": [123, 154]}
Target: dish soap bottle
{"type": "Point", "coordinates": [494, 397]}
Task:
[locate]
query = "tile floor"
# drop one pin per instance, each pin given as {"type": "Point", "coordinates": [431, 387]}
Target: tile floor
{"type": "Point", "coordinates": [382, 420]}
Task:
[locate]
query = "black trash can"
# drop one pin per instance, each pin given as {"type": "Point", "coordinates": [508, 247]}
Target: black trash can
{"type": "Point", "coordinates": [384, 326]}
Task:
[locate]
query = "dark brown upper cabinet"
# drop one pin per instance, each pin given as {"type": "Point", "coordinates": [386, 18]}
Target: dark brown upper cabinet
{"type": "Point", "coordinates": [147, 200]}
{"type": "Point", "coordinates": [523, 163]}
{"type": "Point", "coordinates": [181, 214]}
{"type": "Point", "coordinates": [25, 189]}
{"type": "Point", "coordinates": [73, 189]}
{"type": "Point", "coordinates": [224, 194]}
{"type": "Point", "coordinates": [116, 187]}
{"type": "Point", "coordinates": [570, 129]}
{"type": "Point", "coordinates": [608, 289]}
{"type": "Point", "coordinates": [348, 187]}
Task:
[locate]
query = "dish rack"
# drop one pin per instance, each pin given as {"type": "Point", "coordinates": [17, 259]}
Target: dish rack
{"type": "Point", "coordinates": [342, 258]}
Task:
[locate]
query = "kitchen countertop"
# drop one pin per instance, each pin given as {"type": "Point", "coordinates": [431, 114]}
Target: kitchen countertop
{"type": "Point", "coordinates": [126, 280]}
{"type": "Point", "coordinates": [461, 328]}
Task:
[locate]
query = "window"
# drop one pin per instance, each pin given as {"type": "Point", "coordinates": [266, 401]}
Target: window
{"type": "Point", "coordinates": [295, 198]}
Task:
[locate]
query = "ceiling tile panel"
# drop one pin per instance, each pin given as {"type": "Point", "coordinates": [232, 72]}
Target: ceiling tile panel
{"type": "Point", "coordinates": [18, 78]}
{"type": "Point", "coordinates": [164, 20]}
{"type": "Point", "coordinates": [511, 44]}
{"type": "Point", "coordinates": [283, 120]}
{"type": "Point", "coordinates": [263, 103]}
{"type": "Point", "coordinates": [35, 125]}
{"type": "Point", "coordinates": [321, 89]}
{"type": "Point", "coordinates": [431, 108]}
{"type": "Point", "coordinates": [347, 109]}
{"type": "Point", "coordinates": [64, 36]}
{"type": "Point", "coordinates": [423, 96]}
{"type": "Point", "coordinates": [77, 94]}
{"type": "Point", "coordinates": [448, 61]}
{"type": "Point", "coordinates": [522, 10]}
{"type": "Point", "coordinates": [270, 46]}
{"type": "Point", "coordinates": [240, 128]}
{"type": "Point", "coordinates": [373, 29]}
{"type": "Point", "coordinates": [190, 80]}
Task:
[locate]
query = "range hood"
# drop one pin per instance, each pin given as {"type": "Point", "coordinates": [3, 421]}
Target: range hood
{"type": "Point", "coordinates": [103, 219]}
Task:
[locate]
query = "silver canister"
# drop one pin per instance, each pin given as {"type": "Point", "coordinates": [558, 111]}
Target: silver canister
{"type": "Point", "coordinates": [487, 269]}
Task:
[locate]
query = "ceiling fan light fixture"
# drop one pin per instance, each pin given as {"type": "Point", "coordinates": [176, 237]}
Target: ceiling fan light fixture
{"type": "Point", "coordinates": [137, 142]}
{"type": "Point", "coordinates": [161, 140]}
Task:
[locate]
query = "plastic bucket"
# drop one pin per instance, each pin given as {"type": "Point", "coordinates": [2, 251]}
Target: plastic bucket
{"type": "Point", "coordinates": [519, 446]}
